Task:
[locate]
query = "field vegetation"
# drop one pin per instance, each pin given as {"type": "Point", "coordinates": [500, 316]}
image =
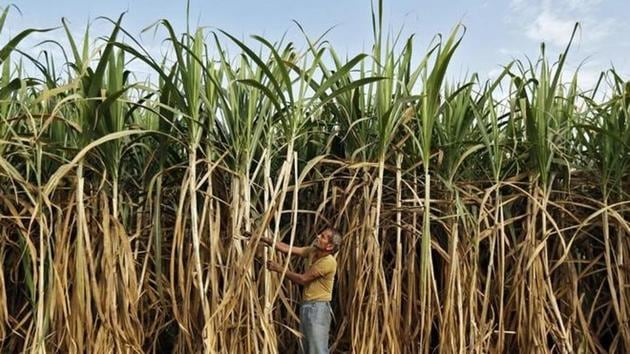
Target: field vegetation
{"type": "Point", "coordinates": [478, 216]}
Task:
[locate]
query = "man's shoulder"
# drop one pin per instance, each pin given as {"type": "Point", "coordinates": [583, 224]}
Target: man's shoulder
{"type": "Point", "coordinates": [327, 260]}
{"type": "Point", "coordinates": [330, 260]}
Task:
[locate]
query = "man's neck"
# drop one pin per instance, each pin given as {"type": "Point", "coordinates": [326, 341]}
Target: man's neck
{"type": "Point", "coordinates": [320, 253]}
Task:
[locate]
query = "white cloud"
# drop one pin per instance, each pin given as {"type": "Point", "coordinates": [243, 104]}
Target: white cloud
{"type": "Point", "coordinates": [548, 27]}
{"type": "Point", "coordinates": [551, 28]}
{"type": "Point", "coordinates": [552, 21]}
{"type": "Point", "coordinates": [582, 5]}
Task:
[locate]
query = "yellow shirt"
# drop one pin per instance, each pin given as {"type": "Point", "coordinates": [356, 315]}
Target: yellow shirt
{"type": "Point", "coordinates": [321, 288]}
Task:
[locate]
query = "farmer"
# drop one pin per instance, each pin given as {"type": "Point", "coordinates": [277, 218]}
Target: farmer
{"type": "Point", "coordinates": [315, 310]}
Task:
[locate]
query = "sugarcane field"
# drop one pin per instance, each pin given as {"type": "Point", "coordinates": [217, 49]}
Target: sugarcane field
{"type": "Point", "coordinates": [246, 192]}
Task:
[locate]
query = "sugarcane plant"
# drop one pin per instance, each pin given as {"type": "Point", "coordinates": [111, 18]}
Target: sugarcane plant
{"type": "Point", "coordinates": [478, 215]}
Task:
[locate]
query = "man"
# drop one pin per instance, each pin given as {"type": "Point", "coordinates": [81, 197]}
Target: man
{"type": "Point", "coordinates": [315, 311]}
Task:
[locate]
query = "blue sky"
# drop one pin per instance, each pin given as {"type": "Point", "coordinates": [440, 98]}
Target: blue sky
{"type": "Point", "coordinates": [497, 31]}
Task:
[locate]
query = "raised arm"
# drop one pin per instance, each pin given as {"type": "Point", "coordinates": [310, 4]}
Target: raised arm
{"type": "Point", "coordinates": [299, 278]}
{"type": "Point", "coordinates": [285, 248]}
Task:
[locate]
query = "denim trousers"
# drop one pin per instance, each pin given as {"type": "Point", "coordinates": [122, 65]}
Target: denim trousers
{"type": "Point", "coordinates": [315, 319]}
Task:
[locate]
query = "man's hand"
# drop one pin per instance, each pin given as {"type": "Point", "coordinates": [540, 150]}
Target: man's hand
{"type": "Point", "coordinates": [302, 279]}
{"type": "Point", "coordinates": [266, 241]}
{"type": "Point", "coordinates": [281, 246]}
{"type": "Point", "coordinates": [274, 267]}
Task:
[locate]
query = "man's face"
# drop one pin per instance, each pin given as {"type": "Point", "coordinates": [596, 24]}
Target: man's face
{"type": "Point", "coordinates": [323, 241]}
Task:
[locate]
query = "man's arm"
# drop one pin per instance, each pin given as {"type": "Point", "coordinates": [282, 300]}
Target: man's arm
{"type": "Point", "coordinates": [284, 248]}
{"type": "Point", "coordinates": [302, 279]}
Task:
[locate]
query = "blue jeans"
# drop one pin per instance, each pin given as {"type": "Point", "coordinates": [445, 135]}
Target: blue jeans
{"type": "Point", "coordinates": [315, 319]}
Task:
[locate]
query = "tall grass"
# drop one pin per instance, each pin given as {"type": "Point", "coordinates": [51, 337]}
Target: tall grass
{"type": "Point", "coordinates": [478, 216]}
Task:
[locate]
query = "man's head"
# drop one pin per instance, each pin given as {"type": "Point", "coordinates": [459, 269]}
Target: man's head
{"type": "Point", "coordinates": [328, 240]}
